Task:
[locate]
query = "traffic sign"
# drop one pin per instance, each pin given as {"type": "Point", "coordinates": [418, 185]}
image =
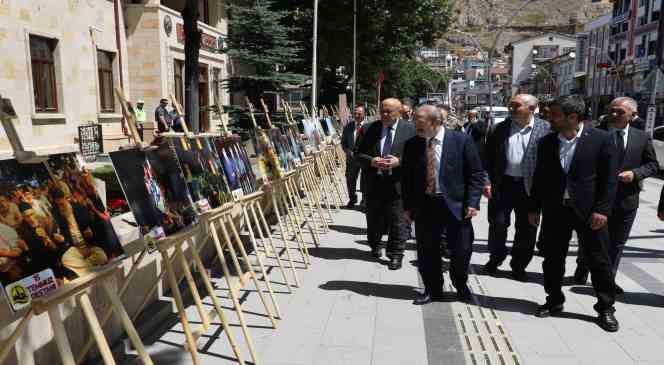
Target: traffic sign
{"type": "Point", "coordinates": [650, 119]}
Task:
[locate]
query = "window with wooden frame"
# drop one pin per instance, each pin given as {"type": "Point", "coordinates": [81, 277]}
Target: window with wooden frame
{"type": "Point", "coordinates": [105, 72]}
{"type": "Point", "coordinates": [42, 60]}
{"type": "Point", "coordinates": [179, 80]}
{"type": "Point", "coordinates": [216, 85]}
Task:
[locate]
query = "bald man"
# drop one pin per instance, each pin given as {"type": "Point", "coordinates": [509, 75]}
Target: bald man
{"type": "Point", "coordinates": [379, 154]}
{"type": "Point", "coordinates": [511, 153]}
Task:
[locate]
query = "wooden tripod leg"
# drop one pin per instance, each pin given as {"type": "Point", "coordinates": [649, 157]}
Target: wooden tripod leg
{"type": "Point", "coordinates": [235, 260]}
{"type": "Point", "coordinates": [6, 346]}
{"type": "Point", "coordinates": [269, 244]}
{"type": "Point", "coordinates": [252, 274]}
{"type": "Point", "coordinates": [313, 202]}
{"type": "Point", "coordinates": [95, 329]}
{"type": "Point", "coordinates": [297, 201]}
{"type": "Point", "coordinates": [193, 289]}
{"type": "Point", "coordinates": [334, 179]}
{"type": "Point", "coordinates": [283, 236]}
{"type": "Point", "coordinates": [231, 292]}
{"type": "Point", "coordinates": [121, 312]}
{"type": "Point", "coordinates": [266, 277]}
{"type": "Point", "coordinates": [296, 216]}
{"type": "Point", "coordinates": [60, 335]}
{"type": "Point", "coordinates": [277, 254]}
{"type": "Point", "coordinates": [322, 192]}
{"type": "Point", "coordinates": [318, 196]}
{"type": "Point", "coordinates": [218, 309]}
{"type": "Point", "coordinates": [177, 296]}
{"type": "Point", "coordinates": [298, 235]}
{"type": "Point", "coordinates": [107, 314]}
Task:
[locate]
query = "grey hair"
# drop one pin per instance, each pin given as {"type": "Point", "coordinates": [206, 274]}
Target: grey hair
{"type": "Point", "coordinates": [530, 100]}
{"type": "Point", "coordinates": [434, 113]}
{"type": "Point", "coordinates": [631, 103]}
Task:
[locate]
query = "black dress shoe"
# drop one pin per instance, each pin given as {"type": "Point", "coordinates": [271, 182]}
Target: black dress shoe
{"type": "Point", "coordinates": [580, 276]}
{"type": "Point", "coordinates": [427, 298]}
{"type": "Point", "coordinates": [377, 252]}
{"type": "Point", "coordinates": [608, 321]}
{"type": "Point", "coordinates": [491, 268]}
{"type": "Point", "coordinates": [548, 310]}
{"type": "Point", "coordinates": [619, 290]}
{"type": "Point", "coordinates": [464, 294]}
{"type": "Point", "coordinates": [519, 275]}
{"type": "Point", "coordinates": [395, 263]}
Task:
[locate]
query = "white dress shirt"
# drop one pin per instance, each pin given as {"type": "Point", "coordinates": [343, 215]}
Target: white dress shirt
{"type": "Point", "coordinates": [384, 132]}
{"type": "Point", "coordinates": [625, 136]}
{"type": "Point", "coordinates": [517, 144]}
{"type": "Point", "coordinates": [566, 151]}
{"type": "Point", "coordinates": [437, 142]}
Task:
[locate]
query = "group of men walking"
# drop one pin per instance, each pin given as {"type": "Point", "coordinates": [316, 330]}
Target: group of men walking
{"type": "Point", "coordinates": [560, 175]}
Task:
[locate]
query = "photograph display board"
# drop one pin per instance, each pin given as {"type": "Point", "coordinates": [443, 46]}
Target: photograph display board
{"type": "Point", "coordinates": [236, 164]}
{"type": "Point", "coordinates": [203, 171]}
{"type": "Point", "coordinates": [52, 223]}
{"type": "Point", "coordinates": [282, 148]}
{"type": "Point", "coordinates": [155, 188]}
{"type": "Point", "coordinates": [312, 134]}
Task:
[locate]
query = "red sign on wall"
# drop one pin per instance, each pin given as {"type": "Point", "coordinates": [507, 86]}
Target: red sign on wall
{"type": "Point", "coordinates": [208, 42]}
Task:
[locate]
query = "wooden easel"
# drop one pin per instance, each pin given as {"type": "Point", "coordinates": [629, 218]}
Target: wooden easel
{"type": "Point", "coordinates": [101, 276]}
{"type": "Point", "coordinates": [130, 117]}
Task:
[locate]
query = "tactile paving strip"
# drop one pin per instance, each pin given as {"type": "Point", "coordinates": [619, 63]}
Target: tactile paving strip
{"type": "Point", "coordinates": [483, 336]}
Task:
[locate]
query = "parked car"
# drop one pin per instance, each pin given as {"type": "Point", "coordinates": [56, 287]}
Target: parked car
{"type": "Point", "coordinates": [498, 113]}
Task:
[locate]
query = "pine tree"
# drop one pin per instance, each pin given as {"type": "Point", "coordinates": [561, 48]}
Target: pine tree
{"type": "Point", "coordinates": [259, 39]}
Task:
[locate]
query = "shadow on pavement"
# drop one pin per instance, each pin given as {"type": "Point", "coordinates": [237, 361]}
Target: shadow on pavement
{"type": "Point", "coordinates": [334, 253]}
{"type": "Point", "coordinates": [523, 306]}
{"type": "Point", "coordinates": [531, 277]}
{"type": "Point", "coordinates": [410, 246]}
{"type": "Point", "coordinates": [634, 298]}
{"type": "Point", "coordinates": [356, 231]}
{"type": "Point", "coordinates": [390, 291]}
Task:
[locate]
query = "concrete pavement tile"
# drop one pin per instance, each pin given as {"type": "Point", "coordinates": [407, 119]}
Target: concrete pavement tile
{"type": "Point", "coordinates": [342, 355]}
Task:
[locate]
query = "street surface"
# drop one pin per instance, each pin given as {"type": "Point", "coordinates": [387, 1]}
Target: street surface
{"type": "Point", "coordinates": [351, 310]}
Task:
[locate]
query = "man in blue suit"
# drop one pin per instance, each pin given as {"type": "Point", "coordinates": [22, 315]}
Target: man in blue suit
{"type": "Point", "coordinates": [442, 181]}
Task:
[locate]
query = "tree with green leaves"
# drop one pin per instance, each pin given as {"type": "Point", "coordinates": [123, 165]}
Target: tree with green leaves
{"type": "Point", "coordinates": [260, 39]}
{"type": "Point", "coordinates": [389, 32]}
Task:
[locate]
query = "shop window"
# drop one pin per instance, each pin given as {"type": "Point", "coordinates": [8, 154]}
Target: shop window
{"type": "Point", "coordinates": [652, 48]}
{"type": "Point", "coordinates": [655, 15]}
{"type": "Point", "coordinates": [179, 80]}
{"type": "Point", "coordinates": [42, 57]}
{"type": "Point", "coordinates": [216, 85]}
{"type": "Point", "coordinates": [105, 72]}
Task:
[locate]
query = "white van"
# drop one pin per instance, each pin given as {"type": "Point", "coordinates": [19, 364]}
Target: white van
{"type": "Point", "coordinates": [499, 113]}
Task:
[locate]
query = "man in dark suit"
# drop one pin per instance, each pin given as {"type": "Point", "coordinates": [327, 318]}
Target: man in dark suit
{"type": "Point", "coordinates": [574, 186]}
{"type": "Point", "coordinates": [511, 151]}
{"type": "Point", "coordinates": [475, 128]}
{"type": "Point", "coordinates": [352, 131]}
{"type": "Point", "coordinates": [660, 208]}
{"type": "Point", "coordinates": [442, 180]}
{"type": "Point", "coordinates": [636, 161]}
{"type": "Point", "coordinates": [379, 153]}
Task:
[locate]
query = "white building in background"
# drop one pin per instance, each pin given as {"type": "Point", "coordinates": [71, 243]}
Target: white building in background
{"type": "Point", "coordinates": [60, 63]}
{"type": "Point", "coordinates": [533, 50]}
{"type": "Point", "coordinates": [599, 79]}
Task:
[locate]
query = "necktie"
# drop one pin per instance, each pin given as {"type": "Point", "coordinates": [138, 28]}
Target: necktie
{"type": "Point", "coordinates": [387, 146]}
{"type": "Point", "coordinates": [620, 140]}
{"type": "Point", "coordinates": [431, 168]}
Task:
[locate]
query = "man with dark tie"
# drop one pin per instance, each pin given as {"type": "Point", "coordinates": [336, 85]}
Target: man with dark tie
{"type": "Point", "coordinates": [352, 131]}
{"type": "Point", "coordinates": [574, 187]}
{"type": "Point", "coordinates": [511, 150]}
{"type": "Point", "coordinates": [636, 161]}
{"type": "Point", "coordinates": [379, 153]}
{"type": "Point", "coordinates": [442, 180]}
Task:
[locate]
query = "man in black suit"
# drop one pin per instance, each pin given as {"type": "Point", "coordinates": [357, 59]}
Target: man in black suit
{"type": "Point", "coordinates": [660, 208]}
{"type": "Point", "coordinates": [442, 180]}
{"type": "Point", "coordinates": [352, 131]}
{"type": "Point", "coordinates": [511, 152]}
{"type": "Point", "coordinates": [475, 128]}
{"type": "Point", "coordinates": [636, 161]}
{"type": "Point", "coordinates": [574, 186]}
{"type": "Point", "coordinates": [379, 153]}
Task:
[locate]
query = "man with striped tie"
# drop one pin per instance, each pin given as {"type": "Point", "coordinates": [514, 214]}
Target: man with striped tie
{"type": "Point", "coordinates": [442, 181]}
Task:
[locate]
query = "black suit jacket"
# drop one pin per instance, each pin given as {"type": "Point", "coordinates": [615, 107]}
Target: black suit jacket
{"type": "Point", "coordinates": [348, 138]}
{"type": "Point", "coordinates": [660, 208]}
{"type": "Point", "coordinates": [641, 159]}
{"type": "Point", "coordinates": [369, 147]}
{"type": "Point", "coordinates": [495, 152]}
{"type": "Point", "coordinates": [591, 181]}
{"type": "Point", "coordinates": [461, 173]}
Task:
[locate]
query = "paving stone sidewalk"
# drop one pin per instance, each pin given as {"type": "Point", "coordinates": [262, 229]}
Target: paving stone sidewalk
{"type": "Point", "coordinates": [351, 310]}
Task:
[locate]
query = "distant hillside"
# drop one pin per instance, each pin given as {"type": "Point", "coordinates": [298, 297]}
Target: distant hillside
{"type": "Point", "coordinates": [485, 18]}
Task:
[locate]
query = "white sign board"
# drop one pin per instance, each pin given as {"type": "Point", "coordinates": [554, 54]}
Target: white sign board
{"type": "Point", "coordinates": [21, 293]}
{"type": "Point", "coordinates": [650, 120]}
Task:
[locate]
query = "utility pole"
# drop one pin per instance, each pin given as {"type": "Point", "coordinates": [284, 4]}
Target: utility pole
{"type": "Point", "coordinates": [354, 53]}
{"type": "Point", "coordinates": [314, 67]}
